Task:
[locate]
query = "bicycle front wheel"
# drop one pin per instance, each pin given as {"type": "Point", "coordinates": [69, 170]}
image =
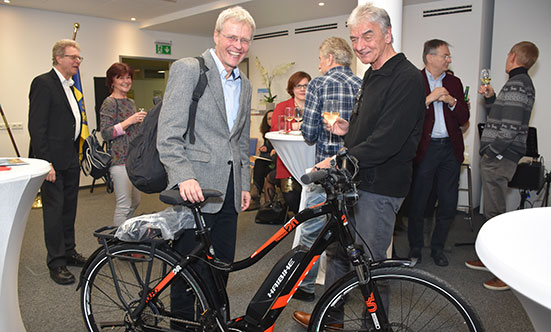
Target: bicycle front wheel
{"type": "Point", "coordinates": [413, 299]}
{"type": "Point", "coordinates": [106, 307]}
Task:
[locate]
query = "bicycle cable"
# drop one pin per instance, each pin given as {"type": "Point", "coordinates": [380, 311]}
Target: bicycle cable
{"type": "Point", "coordinates": [353, 226]}
{"type": "Point", "coordinates": [220, 268]}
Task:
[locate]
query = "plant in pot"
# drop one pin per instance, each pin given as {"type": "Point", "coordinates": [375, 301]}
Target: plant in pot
{"type": "Point", "coordinates": [267, 79]}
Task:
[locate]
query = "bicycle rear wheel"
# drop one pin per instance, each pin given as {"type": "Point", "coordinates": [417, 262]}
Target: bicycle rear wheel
{"type": "Point", "coordinates": [414, 301]}
{"type": "Point", "coordinates": [104, 310]}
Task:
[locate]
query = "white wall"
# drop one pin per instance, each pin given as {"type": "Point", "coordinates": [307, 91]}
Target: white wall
{"type": "Point", "coordinates": [469, 35]}
{"type": "Point", "coordinates": [517, 21]}
{"type": "Point", "coordinates": [27, 37]}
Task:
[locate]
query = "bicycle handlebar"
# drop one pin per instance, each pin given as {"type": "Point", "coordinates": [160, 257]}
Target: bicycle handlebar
{"type": "Point", "coordinates": [172, 196]}
{"type": "Point", "coordinates": [314, 176]}
{"type": "Point", "coordinates": [342, 171]}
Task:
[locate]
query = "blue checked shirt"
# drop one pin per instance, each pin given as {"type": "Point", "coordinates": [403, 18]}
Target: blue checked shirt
{"type": "Point", "coordinates": [340, 84]}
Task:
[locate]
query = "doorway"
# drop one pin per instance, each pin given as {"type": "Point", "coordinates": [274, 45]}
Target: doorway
{"type": "Point", "coordinates": [150, 79]}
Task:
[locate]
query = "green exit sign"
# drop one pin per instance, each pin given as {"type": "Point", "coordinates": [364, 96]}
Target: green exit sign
{"type": "Point", "coordinates": [163, 49]}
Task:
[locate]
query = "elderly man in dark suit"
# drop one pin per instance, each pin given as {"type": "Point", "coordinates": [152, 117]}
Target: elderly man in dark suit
{"type": "Point", "coordinates": [54, 127]}
{"type": "Point", "coordinates": [440, 151]}
{"type": "Point", "coordinates": [219, 158]}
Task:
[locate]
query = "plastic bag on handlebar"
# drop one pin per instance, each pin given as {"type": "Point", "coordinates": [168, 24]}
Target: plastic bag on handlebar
{"type": "Point", "coordinates": [169, 221]}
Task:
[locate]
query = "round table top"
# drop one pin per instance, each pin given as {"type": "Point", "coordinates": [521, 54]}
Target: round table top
{"type": "Point", "coordinates": [515, 247]}
{"type": "Point", "coordinates": [32, 167]}
{"type": "Point", "coordinates": [295, 135]}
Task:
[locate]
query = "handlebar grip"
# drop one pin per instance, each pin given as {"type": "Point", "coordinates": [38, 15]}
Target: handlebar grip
{"type": "Point", "coordinates": [172, 196]}
{"type": "Point", "coordinates": [314, 176]}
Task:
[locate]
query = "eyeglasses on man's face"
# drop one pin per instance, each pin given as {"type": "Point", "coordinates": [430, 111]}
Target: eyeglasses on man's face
{"type": "Point", "coordinates": [235, 39]}
{"type": "Point", "coordinates": [73, 57]}
{"type": "Point", "coordinates": [446, 57]}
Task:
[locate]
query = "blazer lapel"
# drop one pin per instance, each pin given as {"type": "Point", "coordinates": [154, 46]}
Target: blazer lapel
{"type": "Point", "coordinates": [59, 88]}
{"type": "Point", "coordinates": [242, 112]}
{"type": "Point", "coordinates": [214, 84]}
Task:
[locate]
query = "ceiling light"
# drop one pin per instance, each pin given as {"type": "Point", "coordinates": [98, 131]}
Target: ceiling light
{"type": "Point", "coordinates": [321, 4]}
{"type": "Point", "coordinates": [132, 19]}
{"type": "Point", "coordinates": [6, 1]}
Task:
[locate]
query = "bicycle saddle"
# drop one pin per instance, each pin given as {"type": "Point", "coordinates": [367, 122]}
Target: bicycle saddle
{"type": "Point", "coordinates": [173, 197]}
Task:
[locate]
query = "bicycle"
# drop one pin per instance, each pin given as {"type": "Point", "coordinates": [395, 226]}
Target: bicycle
{"type": "Point", "coordinates": [125, 286]}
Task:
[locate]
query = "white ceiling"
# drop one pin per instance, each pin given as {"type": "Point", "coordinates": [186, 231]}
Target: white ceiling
{"type": "Point", "coordinates": [197, 17]}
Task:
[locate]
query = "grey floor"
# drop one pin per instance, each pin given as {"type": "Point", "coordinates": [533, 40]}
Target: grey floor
{"type": "Point", "coordinates": [48, 307]}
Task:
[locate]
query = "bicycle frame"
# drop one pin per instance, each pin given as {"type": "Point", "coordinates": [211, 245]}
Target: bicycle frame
{"type": "Point", "coordinates": [284, 279]}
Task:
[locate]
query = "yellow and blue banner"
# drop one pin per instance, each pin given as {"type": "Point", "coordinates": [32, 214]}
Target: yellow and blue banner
{"type": "Point", "coordinates": [84, 131]}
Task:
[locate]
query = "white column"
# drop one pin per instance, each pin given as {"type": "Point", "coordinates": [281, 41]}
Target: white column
{"type": "Point", "coordinates": [394, 10]}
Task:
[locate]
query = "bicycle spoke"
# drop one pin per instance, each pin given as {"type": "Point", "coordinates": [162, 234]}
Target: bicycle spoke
{"type": "Point", "coordinates": [413, 301]}
{"type": "Point", "coordinates": [106, 310]}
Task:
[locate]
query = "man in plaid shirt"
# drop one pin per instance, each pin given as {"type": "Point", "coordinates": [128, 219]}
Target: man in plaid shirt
{"type": "Point", "coordinates": [338, 84]}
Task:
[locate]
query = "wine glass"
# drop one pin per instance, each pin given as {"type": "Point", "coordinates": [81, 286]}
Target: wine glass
{"type": "Point", "coordinates": [289, 116]}
{"type": "Point", "coordinates": [298, 114]}
{"type": "Point", "coordinates": [485, 76]}
{"type": "Point", "coordinates": [330, 114]}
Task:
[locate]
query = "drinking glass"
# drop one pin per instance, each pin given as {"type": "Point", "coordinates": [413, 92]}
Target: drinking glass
{"type": "Point", "coordinates": [281, 123]}
{"type": "Point", "coordinates": [289, 116]}
{"type": "Point", "coordinates": [485, 77]}
{"type": "Point", "coordinates": [298, 114]}
{"type": "Point", "coordinates": [330, 113]}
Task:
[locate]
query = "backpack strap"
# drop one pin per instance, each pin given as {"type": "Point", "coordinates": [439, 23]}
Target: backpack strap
{"type": "Point", "coordinates": [197, 93]}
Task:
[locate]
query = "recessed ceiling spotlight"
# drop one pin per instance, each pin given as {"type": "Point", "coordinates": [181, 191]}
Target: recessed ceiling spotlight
{"type": "Point", "coordinates": [321, 4]}
{"type": "Point", "coordinates": [6, 1]}
{"type": "Point", "coordinates": [132, 19]}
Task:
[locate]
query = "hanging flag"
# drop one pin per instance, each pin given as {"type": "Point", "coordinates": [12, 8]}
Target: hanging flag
{"type": "Point", "coordinates": [84, 131]}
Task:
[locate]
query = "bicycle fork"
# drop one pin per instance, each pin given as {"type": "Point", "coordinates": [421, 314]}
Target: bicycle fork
{"type": "Point", "coordinates": [370, 292]}
{"type": "Point", "coordinates": [372, 298]}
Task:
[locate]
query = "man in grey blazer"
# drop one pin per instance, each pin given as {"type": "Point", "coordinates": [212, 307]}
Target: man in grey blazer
{"type": "Point", "coordinates": [219, 158]}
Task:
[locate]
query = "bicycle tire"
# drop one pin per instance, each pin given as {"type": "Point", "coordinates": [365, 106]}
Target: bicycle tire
{"type": "Point", "coordinates": [418, 301]}
{"type": "Point", "coordinates": [102, 308]}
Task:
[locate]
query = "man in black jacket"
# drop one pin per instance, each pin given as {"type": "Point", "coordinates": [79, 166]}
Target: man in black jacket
{"type": "Point", "coordinates": [54, 127]}
{"type": "Point", "coordinates": [383, 134]}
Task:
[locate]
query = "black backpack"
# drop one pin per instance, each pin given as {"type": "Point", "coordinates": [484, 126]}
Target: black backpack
{"type": "Point", "coordinates": [144, 168]}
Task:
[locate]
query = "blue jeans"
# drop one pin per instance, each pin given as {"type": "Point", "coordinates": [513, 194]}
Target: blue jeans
{"type": "Point", "coordinates": [310, 231]}
{"type": "Point", "coordinates": [374, 218]}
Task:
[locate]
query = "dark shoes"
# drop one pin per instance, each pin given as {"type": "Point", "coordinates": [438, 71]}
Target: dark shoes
{"type": "Point", "coordinates": [304, 296]}
{"type": "Point", "coordinates": [304, 320]}
{"type": "Point", "coordinates": [415, 253]}
{"type": "Point", "coordinates": [61, 275]}
{"type": "Point", "coordinates": [439, 258]}
{"type": "Point", "coordinates": [76, 260]}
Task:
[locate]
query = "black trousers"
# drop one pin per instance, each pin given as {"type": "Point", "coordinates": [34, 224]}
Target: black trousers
{"type": "Point", "coordinates": [260, 170]}
{"type": "Point", "coordinates": [59, 209]}
{"type": "Point", "coordinates": [223, 231]}
{"type": "Point", "coordinates": [440, 165]}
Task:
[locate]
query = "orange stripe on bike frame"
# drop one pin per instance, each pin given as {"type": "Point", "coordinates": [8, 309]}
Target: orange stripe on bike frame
{"type": "Point", "coordinates": [313, 206]}
{"type": "Point", "coordinates": [344, 220]}
{"type": "Point", "coordinates": [270, 329]}
{"type": "Point", "coordinates": [161, 285]}
{"type": "Point", "coordinates": [284, 230]}
{"type": "Point", "coordinates": [283, 300]}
